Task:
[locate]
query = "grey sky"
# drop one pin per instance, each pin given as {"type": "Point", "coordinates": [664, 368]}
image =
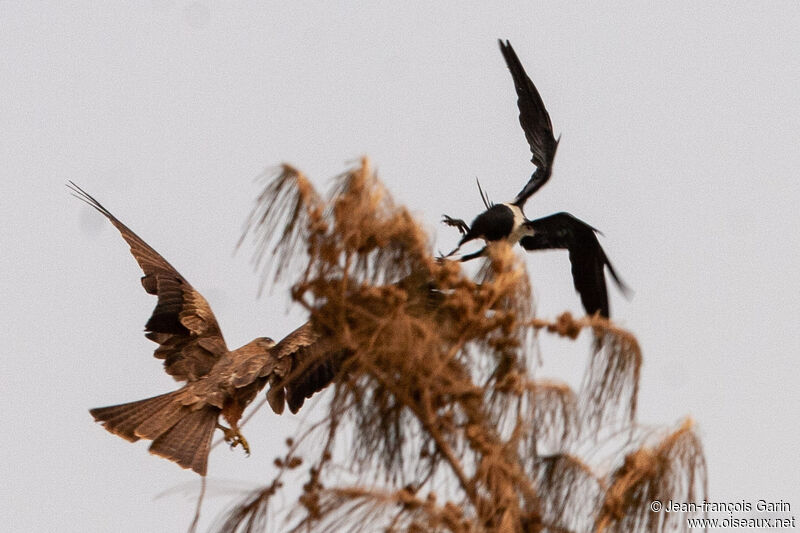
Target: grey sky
{"type": "Point", "coordinates": [680, 126]}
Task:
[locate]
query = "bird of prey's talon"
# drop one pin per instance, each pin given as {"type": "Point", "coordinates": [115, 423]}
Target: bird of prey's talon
{"type": "Point", "coordinates": [233, 437]}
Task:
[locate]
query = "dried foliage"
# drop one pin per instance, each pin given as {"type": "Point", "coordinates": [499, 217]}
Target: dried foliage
{"type": "Point", "coordinates": [670, 470]}
{"type": "Point", "coordinates": [436, 416]}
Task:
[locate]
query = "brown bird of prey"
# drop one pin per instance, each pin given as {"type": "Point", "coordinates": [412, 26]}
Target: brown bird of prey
{"type": "Point", "coordinates": [218, 381]}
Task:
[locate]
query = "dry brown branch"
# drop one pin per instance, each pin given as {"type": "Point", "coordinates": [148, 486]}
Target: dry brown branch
{"type": "Point", "coordinates": [289, 200]}
{"type": "Point", "coordinates": [435, 394]}
{"type": "Point", "coordinates": [672, 469]}
{"type": "Point", "coordinates": [611, 384]}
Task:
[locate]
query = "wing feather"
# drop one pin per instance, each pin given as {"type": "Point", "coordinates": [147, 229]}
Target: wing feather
{"type": "Point", "coordinates": [300, 365]}
{"type": "Point", "coordinates": [586, 256]}
{"type": "Point", "coordinates": [182, 323]}
{"type": "Point", "coordinates": [535, 122]}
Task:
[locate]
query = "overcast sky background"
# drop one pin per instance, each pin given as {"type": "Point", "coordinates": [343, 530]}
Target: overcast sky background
{"type": "Point", "coordinates": [681, 131]}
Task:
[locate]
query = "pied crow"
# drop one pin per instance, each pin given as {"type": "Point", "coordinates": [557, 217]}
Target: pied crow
{"type": "Point", "coordinates": [508, 222]}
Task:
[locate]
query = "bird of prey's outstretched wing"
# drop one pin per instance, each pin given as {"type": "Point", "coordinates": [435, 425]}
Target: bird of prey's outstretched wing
{"type": "Point", "coordinates": [182, 322]}
{"type": "Point", "coordinates": [301, 364]}
{"type": "Point", "coordinates": [535, 122]}
{"type": "Point", "coordinates": [588, 259]}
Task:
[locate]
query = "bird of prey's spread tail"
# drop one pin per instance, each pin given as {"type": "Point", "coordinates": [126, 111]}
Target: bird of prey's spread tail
{"type": "Point", "coordinates": [218, 381]}
{"type": "Point", "coordinates": [507, 222]}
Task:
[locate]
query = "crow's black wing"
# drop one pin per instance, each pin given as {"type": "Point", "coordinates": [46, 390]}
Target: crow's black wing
{"type": "Point", "coordinates": [535, 122]}
{"type": "Point", "coordinates": [587, 257]}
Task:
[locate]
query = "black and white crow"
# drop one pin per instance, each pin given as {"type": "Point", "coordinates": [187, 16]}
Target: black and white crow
{"type": "Point", "coordinates": [507, 222]}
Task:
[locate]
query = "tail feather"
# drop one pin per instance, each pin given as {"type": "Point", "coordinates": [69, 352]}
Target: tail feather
{"type": "Point", "coordinates": [162, 420]}
{"type": "Point", "coordinates": [189, 441]}
{"type": "Point", "coordinates": [626, 291]}
{"type": "Point", "coordinates": [180, 433]}
{"type": "Point", "coordinates": [124, 419]}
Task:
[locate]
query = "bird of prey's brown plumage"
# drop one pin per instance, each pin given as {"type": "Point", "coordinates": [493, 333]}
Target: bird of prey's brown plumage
{"type": "Point", "coordinates": [219, 381]}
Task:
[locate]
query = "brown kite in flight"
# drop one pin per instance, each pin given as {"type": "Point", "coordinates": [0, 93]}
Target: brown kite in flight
{"type": "Point", "coordinates": [218, 381]}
